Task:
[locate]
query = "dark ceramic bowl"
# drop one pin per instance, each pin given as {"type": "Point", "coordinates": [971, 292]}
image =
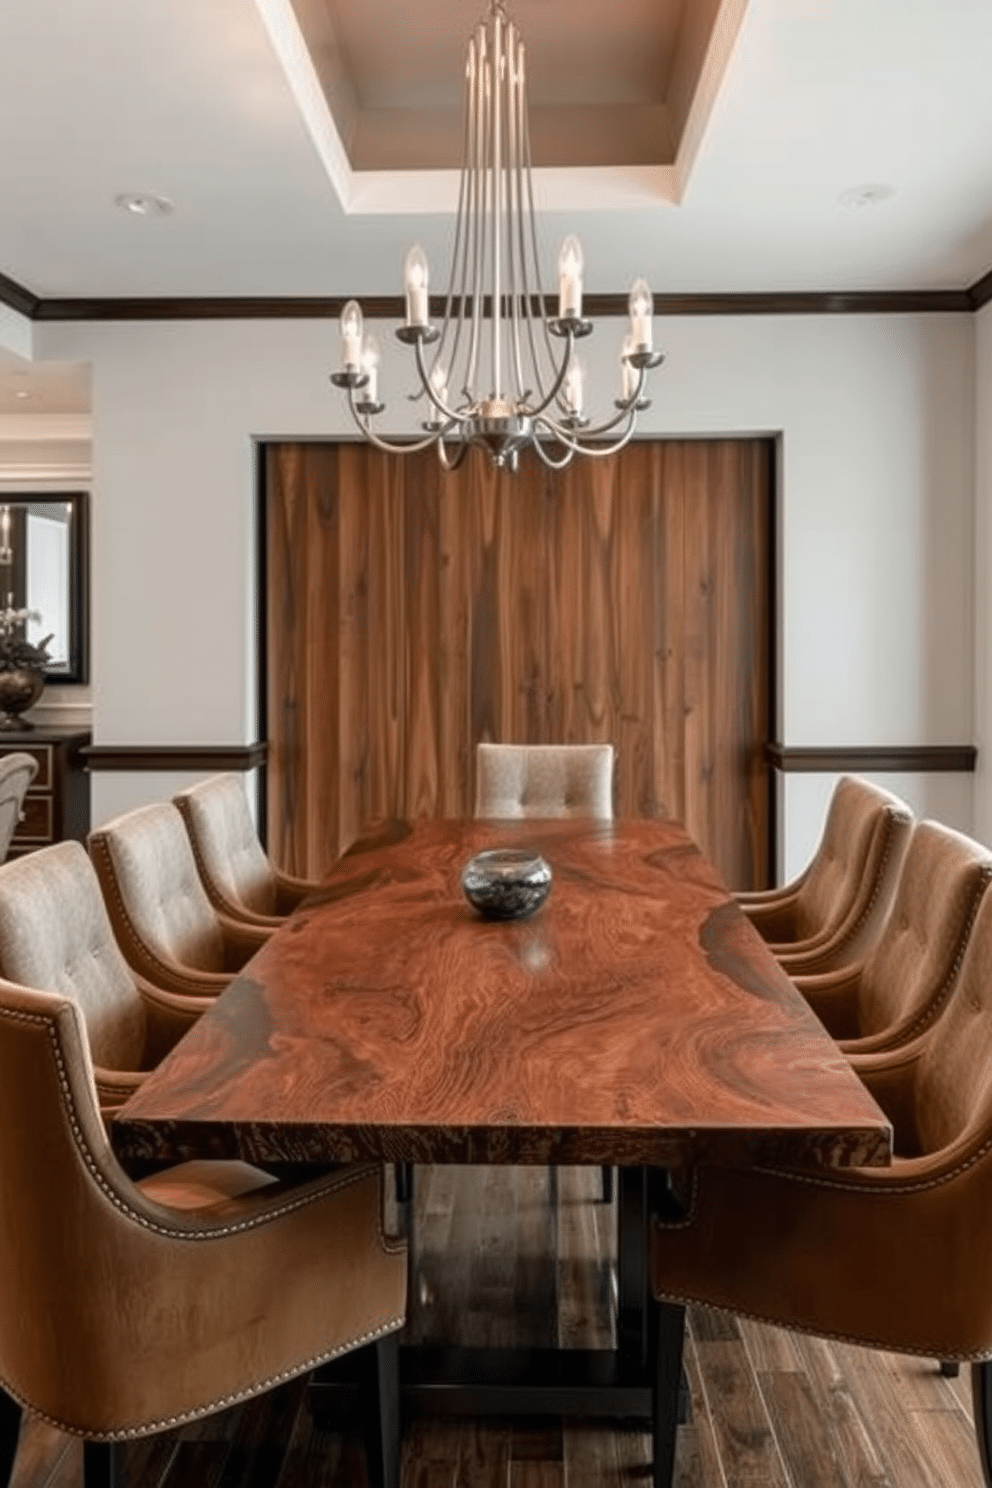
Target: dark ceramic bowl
{"type": "Point", "coordinates": [506, 883]}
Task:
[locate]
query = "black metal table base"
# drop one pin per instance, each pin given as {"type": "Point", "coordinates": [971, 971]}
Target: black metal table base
{"type": "Point", "coordinates": [505, 1382]}
{"type": "Point", "coordinates": [641, 1380]}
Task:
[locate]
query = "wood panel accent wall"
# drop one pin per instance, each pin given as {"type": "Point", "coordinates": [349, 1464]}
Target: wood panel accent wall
{"type": "Point", "coordinates": [411, 613]}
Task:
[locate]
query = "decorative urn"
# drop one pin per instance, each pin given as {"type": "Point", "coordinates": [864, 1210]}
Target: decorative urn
{"type": "Point", "coordinates": [22, 668]}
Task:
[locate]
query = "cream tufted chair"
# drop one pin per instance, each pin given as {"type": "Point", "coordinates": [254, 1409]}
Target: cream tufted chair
{"type": "Point", "coordinates": [163, 921]}
{"type": "Point", "coordinates": [892, 1258]}
{"type": "Point", "coordinates": [129, 1307]}
{"type": "Point", "coordinates": [239, 879]}
{"type": "Point", "coordinates": [834, 912]}
{"type": "Point", "coordinates": [559, 780]}
{"type": "Point", "coordinates": [55, 936]}
{"type": "Point", "coordinates": [16, 773]}
{"type": "Point", "coordinates": [903, 983]}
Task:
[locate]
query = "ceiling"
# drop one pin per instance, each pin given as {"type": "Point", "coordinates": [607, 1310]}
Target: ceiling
{"type": "Point", "coordinates": [800, 145]}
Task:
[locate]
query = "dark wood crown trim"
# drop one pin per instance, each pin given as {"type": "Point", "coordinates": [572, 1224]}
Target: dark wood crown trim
{"type": "Point", "coordinates": [386, 307]}
{"type": "Point", "coordinates": [909, 759]}
{"type": "Point", "coordinates": [981, 291]}
{"type": "Point", "coordinates": [175, 756]}
{"type": "Point", "coordinates": [18, 298]}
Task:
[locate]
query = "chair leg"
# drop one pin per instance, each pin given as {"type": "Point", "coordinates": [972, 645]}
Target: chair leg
{"type": "Point", "coordinates": [103, 1465]}
{"type": "Point", "coordinates": [607, 1185]}
{"type": "Point", "coordinates": [403, 1174]}
{"type": "Point", "coordinates": [381, 1411]}
{"type": "Point", "coordinates": [10, 1430]}
{"type": "Point", "coordinates": [666, 1323]}
{"type": "Point", "coordinates": [981, 1395]}
{"type": "Point", "coordinates": [950, 1368]}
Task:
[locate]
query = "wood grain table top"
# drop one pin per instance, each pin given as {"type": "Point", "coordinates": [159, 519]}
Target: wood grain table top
{"type": "Point", "coordinates": [637, 1017]}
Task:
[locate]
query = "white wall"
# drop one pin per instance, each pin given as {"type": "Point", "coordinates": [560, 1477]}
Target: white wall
{"type": "Point", "coordinates": [876, 419]}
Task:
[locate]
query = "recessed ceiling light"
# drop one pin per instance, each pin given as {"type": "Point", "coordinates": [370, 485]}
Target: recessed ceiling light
{"type": "Point", "coordinates": [144, 204]}
{"type": "Point", "coordinates": [869, 194]}
{"type": "Point", "coordinates": [23, 393]}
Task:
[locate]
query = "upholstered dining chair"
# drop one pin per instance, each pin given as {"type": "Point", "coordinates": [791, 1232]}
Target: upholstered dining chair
{"type": "Point", "coordinates": [55, 935]}
{"type": "Point", "coordinates": [129, 1307]}
{"type": "Point", "coordinates": [903, 983]}
{"type": "Point", "coordinates": [834, 912]}
{"type": "Point", "coordinates": [163, 921]}
{"type": "Point", "coordinates": [892, 1258]}
{"type": "Point", "coordinates": [16, 773]}
{"type": "Point", "coordinates": [559, 780]}
{"type": "Point", "coordinates": [239, 878]}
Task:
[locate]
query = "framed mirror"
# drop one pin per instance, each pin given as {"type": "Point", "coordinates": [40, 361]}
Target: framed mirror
{"type": "Point", "coordinates": [43, 569]}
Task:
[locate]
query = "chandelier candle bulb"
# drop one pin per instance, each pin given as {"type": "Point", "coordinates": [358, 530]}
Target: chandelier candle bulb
{"type": "Point", "coordinates": [510, 365]}
{"type": "Point", "coordinates": [628, 373]}
{"type": "Point", "coordinates": [370, 366]}
{"type": "Point", "coordinates": [641, 306]}
{"type": "Point", "coordinates": [439, 384]}
{"type": "Point", "coordinates": [351, 337]}
{"type": "Point", "coordinates": [416, 287]}
{"type": "Point", "coordinates": [570, 278]}
{"type": "Point", "coordinates": [573, 387]}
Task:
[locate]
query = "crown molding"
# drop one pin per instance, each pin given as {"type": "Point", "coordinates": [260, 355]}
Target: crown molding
{"type": "Point", "coordinates": [981, 291]}
{"type": "Point", "coordinates": [16, 297]}
{"type": "Point", "coordinates": [392, 307]}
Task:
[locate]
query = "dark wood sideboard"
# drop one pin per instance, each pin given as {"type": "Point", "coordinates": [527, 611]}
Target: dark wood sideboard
{"type": "Point", "coordinates": [57, 805]}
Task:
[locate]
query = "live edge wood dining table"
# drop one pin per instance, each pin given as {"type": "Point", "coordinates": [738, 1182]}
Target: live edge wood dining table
{"type": "Point", "coordinates": [636, 1020]}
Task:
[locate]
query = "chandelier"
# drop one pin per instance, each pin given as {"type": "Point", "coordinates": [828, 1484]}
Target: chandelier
{"type": "Point", "coordinates": [500, 372]}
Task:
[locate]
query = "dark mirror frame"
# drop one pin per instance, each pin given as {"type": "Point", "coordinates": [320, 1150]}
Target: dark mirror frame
{"type": "Point", "coordinates": [75, 670]}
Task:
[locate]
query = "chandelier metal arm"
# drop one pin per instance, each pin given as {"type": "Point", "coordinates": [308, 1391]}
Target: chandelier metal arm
{"type": "Point", "coordinates": [451, 414]}
{"type": "Point", "coordinates": [559, 382]}
{"type": "Point", "coordinates": [521, 387]}
{"type": "Point", "coordinates": [546, 459]}
{"type": "Point", "coordinates": [389, 447]}
{"type": "Point", "coordinates": [580, 447]}
{"type": "Point", "coordinates": [448, 462]}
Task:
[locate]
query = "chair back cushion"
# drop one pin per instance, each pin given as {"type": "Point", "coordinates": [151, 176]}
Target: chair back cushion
{"type": "Point", "coordinates": [16, 773]}
{"type": "Point", "coordinates": [149, 876]}
{"type": "Point", "coordinates": [853, 839]}
{"type": "Point", "coordinates": [55, 936]}
{"type": "Point", "coordinates": [231, 860]}
{"type": "Point", "coordinates": [913, 966]}
{"type": "Point", "coordinates": [544, 780]}
{"type": "Point", "coordinates": [953, 1089]}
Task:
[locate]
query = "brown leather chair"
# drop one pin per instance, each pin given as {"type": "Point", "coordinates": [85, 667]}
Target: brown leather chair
{"type": "Point", "coordinates": [55, 935]}
{"type": "Point", "coordinates": [903, 983]}
{"type": "Point", "coordinates": [544, 780]}
{"type": "Point", "coordinates": [16, 773]}
{"type": "Point", "coordinates": [834, 912]}
{"type": "Point", "coordinates": [129, 1307]}
{"type": "Point", "coordinates": [892, 1258]}
{"type": "Point", "coordinates": [239, 879]}
{"type": "Point", "coordinates": [163, 921]}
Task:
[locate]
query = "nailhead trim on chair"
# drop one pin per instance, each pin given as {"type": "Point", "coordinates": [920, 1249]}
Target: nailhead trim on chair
{"type": "Point", "coordinates": [173, 970]}
{"type": "Point", "coordinates": [344, 1179]}
{"type": "Point", "coordinates": [891, 817]}
{"type": "Point", "coordinates": [929, 1014]}
{"type": "Point", "coordinates": [341, 1181]}
{"type": "Point", "coordinates": [223, 1401]}
{"type": "Point", "coordinates": [928, 1351]}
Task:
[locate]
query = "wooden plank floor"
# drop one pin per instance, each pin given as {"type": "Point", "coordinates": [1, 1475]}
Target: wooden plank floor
{"type": "Point", "coordinates": [769, 1409]}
